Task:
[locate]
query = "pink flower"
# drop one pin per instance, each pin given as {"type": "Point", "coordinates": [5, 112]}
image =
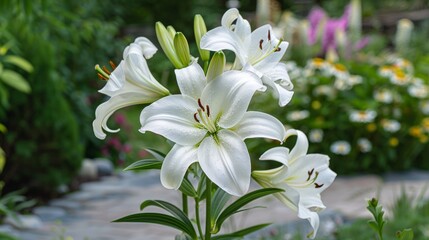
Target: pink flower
{"type": "Point", "coordinates": [317, 17]}
{"type": "Point", "coordinates": [126, 148]}
{"type": "Point", "coordinates": [120, 119]}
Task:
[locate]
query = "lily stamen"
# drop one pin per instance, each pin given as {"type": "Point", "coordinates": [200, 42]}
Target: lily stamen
{"type": "Point", "coordinates": [106, 70]}
{"type": "Point", "coordinates": [267, 53]}
{"type": "Point", "coordinates": [112, 65]}
{"type": "Point", "coordinates": [195, 117]}
{"type": "Point", "coordinates": [206, 121]}
{"type": "Point", "coordinates": [200, 104]}
{"type": "Point", "coordinates": [102, 73]}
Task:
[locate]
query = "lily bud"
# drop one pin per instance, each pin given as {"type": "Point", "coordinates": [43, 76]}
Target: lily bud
{"type": "Point", "coordinates": [182, 49]}
{"type": "Point", "coordinates": [167, 44]}
{"type": "Point", "coordinates": [217, 65]}
{"type": "Point", "coordinates": [199, 31]}
{"type": "Point", "coordinates": [171, 31]}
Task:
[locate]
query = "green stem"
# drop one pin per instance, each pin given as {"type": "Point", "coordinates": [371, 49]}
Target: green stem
{"type": "Point", "coordinates": [206, 66]}
{"type": "Point", "coordinates": [185, 204]}
{"type": "Point", "coordinates": [197, 217]}
{"type": "Point", "coordinates": [208, 209]}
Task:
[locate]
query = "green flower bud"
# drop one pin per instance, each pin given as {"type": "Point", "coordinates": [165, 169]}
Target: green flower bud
{"type": "Point", "coordinates": [199, 31]}
{"type": "Point", "coordinates": [171, 31]}
{"type": "Point", "coordinates": [217, 65]}
{"type": "Point", "coordinates": [167, 44]}
{"type": "Point", "coordinates": [182, 49]}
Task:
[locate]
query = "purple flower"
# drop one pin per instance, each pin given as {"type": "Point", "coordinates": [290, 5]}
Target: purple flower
{"type": "Point", "coordinates": [317, 17]}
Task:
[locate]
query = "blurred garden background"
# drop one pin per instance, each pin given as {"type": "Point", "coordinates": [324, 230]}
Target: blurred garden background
{"type": "Point", "coordinates": [360, 71]}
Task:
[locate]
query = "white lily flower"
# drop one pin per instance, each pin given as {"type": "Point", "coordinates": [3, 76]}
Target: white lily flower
{"type": "Point", "coordinates": [208, 123]}
{"type": "Point", "coordinates": [130, 83]}
{"type": "Point", "coordinates": [258, 51]}
{"type": "Point", "coordinates": [303, 177]}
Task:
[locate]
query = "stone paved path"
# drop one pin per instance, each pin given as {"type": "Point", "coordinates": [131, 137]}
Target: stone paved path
{"type": "Point", "coordinates": [87, 214]}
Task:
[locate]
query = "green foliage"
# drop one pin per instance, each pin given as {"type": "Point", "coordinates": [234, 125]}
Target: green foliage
{"type": "Point", "coordinates": [377, 212]}
{"type": "Point", "coordinates": [162, 219]}
{"type": "Point", "coordinates": [43, 135]}
{"type": "Point", "coordinates": [14, 202]}
{"type": "Point", "coordinates": [235, 207]}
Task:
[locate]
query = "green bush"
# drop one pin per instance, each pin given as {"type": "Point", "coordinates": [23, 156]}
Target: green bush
{"type": "Point", "coordinates": [42, 144]}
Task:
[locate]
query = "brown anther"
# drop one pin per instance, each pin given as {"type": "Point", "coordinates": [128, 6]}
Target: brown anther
{"type": "Point", "coordinates": [101, 77]}
{"type": "Point", "coordinates": [208, 110]}
{"type": "Point", "coordinates": [195, 117]}
{"type": "Point", "coordinates": [277, 49]}
{"type": "Point", "coordinates": [112, 64]}
{"type": "Point", "coordinates": [106, 70]}
{"type": "Point", "coordinates": [201, 105]}
{"type": "Point", "coordinates": [310, 173]}
{"type": "Point", "coordinates": [260, 43]}
{"type": "Point", "coordinates": [269, 35]}
{"type": "Point", "coordinates": [318, 186]}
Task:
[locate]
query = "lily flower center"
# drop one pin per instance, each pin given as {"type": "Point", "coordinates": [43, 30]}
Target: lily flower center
{"type": "Point", "coordinates": [311, 180]}
{"type": "Point", "coordinates": [104, 73]}
{"type": "Point", "coordinates": [202, 116]}
{"type": "Point", "coordinates": [267, 48]}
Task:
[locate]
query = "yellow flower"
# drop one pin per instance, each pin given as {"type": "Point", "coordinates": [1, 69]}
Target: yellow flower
{"type": "Point", "coordinates": [425, 123]}
{"type": "Point", "coordinates": [371, 127]}
{"type": "Point", "coordinates": [318, 62]}
{"type": "Point", "coordinates": [316, 105]}
{"type": "Point", "coordinates": [415, 131]}
{"type": "Point", "coordinates": [340, 67]}
{"type": "Point", "coordinates": [393, 142]}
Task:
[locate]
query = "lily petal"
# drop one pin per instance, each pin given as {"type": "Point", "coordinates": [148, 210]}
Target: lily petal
{"type": "Point", "coordinates": [172, 117]}
{"type": "Point", "coordinates": [277, 78]}
{"type": "Point", "coordinates": [175, 165]}
{"type": "Point", "coordinates": [191, 80]}
{"type": "Point", "coordinates": [260, 125]}
{"type": "Point", "coordinates": [301, 146]}
{"type": "Point", "coordinates": [226, 162]}
{"type": "Point", "coordinates": [148, 48]}
{"type": "Point", "coordinates": [229, 96]}
{"type": "Point", "coordinates": [221, 38]}
{"type": "Point", "coordinates": [312, 217]}
{"type": "Point", "coordinates": [128, 96]}
{"type": "Point", "coordinates": [279, 154]}
{"type": "Point", "coordinates": [115, 82]}
{"type": "Point", "coordinates": [137, 71]}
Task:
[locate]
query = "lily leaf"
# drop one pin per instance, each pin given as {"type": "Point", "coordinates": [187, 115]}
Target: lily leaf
{"type": "Point", "coordinates": [242, 201]}
{"type": "Point", "coordinates": [15, 80]}
{"type": "Point", "coordinates": [19, 62]}
{"type": "Point", "coordinates": [145, 164]}
{"type": "Point", "coordinates": [241, 233]}
{"type": "Point", "coordinates": [220, 198]}
{"type": "Point", "coordinates": [156, 154]}
{"type": "Point", "coordinates": [201, 189]}
{"type": "Point", "coordinates": [159, 218]}
{"type": "Point", "coordinates": [188, 189]}
{"type": "Point", "coordinates": [179, 214]}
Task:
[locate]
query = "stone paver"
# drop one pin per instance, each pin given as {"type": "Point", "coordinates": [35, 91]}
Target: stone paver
{"type": "Point", "coordinates": [87, 214]}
